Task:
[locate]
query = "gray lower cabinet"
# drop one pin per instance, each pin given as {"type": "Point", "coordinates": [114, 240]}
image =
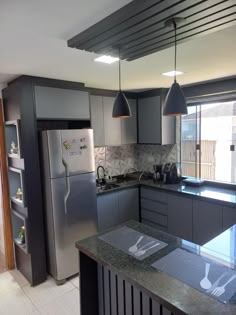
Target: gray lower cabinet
{"type": "Point", "coordinates": [229, 217]}
{"type": "Point", "coordinates": [207, 221]}
{"type": "Point", "coordinates": [117, 207]}
{"type": "Point", "coordinates": [180, 217]}
{"type": "Point", "coordinates": [153, 127]}
{"type": "Point", "coordinates": [154, 208]}
{"type": "Point", "coordinates": [108, 130]}
{"type": "Point", "coordinates": [56, 103]}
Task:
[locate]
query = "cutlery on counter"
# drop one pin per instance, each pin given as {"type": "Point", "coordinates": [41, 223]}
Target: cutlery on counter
{"type": "Point", "coordinates": [216, 283]}
{"type": "Point", "coordinates": [205, 282]}
{"type": "Point", "coordinates": [142, 252]}
{"type": "Point", "coordinates": [134, 248]}
{"type": "Point", "coordinates": [218, 291]}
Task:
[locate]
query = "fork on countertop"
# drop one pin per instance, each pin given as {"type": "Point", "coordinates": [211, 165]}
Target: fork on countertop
{"type": "Point", "coordinates": [221, 290]}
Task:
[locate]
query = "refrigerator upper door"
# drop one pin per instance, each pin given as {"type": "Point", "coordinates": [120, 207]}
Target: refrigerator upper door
{"type": "Point", "coordinates": [70, 152]}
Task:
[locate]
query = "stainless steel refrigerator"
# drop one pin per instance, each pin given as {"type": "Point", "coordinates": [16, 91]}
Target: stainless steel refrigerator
{"type": "Point", "coordinates": [69, 196]}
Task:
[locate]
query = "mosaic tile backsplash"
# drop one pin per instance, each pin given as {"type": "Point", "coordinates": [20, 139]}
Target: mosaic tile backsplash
{"type": "Point", "coordinates": [119, 160]}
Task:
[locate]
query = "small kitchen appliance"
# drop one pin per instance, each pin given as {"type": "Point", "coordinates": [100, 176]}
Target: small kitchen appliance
{"type": "Point", "coordinates": [171, 173]}
{"type": "Point", "coordinates": [157, 175]}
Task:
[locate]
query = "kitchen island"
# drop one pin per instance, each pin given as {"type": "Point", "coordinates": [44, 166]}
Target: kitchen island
{"type": "Point", "coordinates": [116, 279]}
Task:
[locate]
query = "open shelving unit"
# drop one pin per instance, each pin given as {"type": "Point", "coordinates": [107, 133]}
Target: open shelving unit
{"type": "Point", "coordinates": [16, 181]}
{"type": "Point", "coordinates": [26, 208]}
{"type": "Point", "coordinates": [18, 220]}
{"type": "Point", "coordinates": [12, 134]}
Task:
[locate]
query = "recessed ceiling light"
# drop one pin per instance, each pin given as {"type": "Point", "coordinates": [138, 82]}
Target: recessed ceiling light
{"type": "Point", "coordinates": [107, 59]}
{"type": "Point", "coordinates": [172, 73]}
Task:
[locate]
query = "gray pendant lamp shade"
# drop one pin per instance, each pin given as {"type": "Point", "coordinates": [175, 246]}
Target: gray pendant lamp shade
{"type": "Point", "coordinates": [121, 108]}
{"type": "Point", "coordinates": [175, 103]}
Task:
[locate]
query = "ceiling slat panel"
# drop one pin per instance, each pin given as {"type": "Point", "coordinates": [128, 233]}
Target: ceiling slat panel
{"type": "Point", "coordinates": [155, 22]}
{"type": "Point", "coordinates": [162, 34]}
{"type": "Point", "coordinates": [155, 30]}
{"type": "Point", "coordinates": [143, 18]}
{"type": "Point", "coordinates": [118, 17]}
{"type": "Point", "coordinates": [182, 40]}
{"type": "Point", "coordinates": [139, 27]}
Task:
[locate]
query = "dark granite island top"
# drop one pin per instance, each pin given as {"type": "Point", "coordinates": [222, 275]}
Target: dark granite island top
{"type": "Point", "coordinates": [173, 295]}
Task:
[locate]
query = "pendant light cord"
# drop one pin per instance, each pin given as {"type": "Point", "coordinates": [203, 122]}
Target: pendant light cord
{"type": "Point", "coordinates": [174, 23]}
{"type": "Point", "coordinates": [119, 72]}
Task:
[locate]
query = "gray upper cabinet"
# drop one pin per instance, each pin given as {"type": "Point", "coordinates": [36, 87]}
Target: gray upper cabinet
{"type": "Point", "coordinates": [152, 126]}
{"type": "Point", "coordinates": [97, 120]}
{"type": "Point", "coordinates": [55, 103]}
{"type": "Point", "coordinates": [108, 130]}
{"type": "Point", "coordinates": [112, 126]}
{"type": "Point", "coordinates": [229, 217]}
{"type": "Point", "coordinates": [207, 221]}
{"type": "Point", "coordinates": [180, 216]}
{"type": "Point", "coordinates": [129, 125]}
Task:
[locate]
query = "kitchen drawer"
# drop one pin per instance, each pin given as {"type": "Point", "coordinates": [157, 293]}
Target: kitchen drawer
{"type": "Point", "coordinates": [155, 226]}
{"type": "Point", "coordinates": [154, 206]}
{"type": "Point", "coordinates": [154, 217]}
{"type": "Point", "coordinates": [153, 194]}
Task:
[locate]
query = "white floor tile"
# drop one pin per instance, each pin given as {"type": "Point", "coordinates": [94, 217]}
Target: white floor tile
{"type": "Point", "coordinates": [7, 283]}
{"type": "Point", "coordinates": [75, 281]}
{"type": "Point", "coordinates": [46, 292]}
{"type": "Point", "coordinates": [16, 302]}
{"type": "Point", "coordinates": [19, 278]}
{"type": "Point", "coordinates": [68, 304]}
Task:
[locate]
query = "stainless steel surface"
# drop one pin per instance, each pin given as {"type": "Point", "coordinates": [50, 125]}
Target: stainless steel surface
{"type": "Point", "coordinates": [72, 147]}
{"type": "Point", "coordinates": [70, 197]}
{"type": "Point", "coordinates": [78, 222]}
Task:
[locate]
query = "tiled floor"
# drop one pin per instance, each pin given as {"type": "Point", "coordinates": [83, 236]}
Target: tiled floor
{"type": "Point", "coordinates": [18, 297]}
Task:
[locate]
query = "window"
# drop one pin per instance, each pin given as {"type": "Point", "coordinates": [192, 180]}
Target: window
{"type": "Point", "coordinates": [208, 142]}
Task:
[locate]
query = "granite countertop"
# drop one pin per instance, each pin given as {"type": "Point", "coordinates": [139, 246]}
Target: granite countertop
{"type": "Point", "coordinates": [204, 192]}
{"type": "Point", "coordinates": [183, 298]}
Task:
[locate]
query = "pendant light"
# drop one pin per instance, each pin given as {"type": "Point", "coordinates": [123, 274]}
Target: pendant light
{"type": "Point", "coordinates": [121, 108]}
{"type": "Point", "coordinates": [175, 103]}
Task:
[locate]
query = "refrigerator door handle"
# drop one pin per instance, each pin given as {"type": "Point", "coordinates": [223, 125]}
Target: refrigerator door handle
{"type": "Point", "coordinates": [67, 190]}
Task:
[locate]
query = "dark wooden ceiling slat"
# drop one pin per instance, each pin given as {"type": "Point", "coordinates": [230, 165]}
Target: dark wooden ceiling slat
{"type": "Point", "coordinates": [164, 33]}
{"type": "Point", "coordinates": [139, 27]}
{"type": "Point", "coordinates": [183, 39]}
{"type": "Point", "coordinates": [119, 16]}
{"type": "Point", "coordinates": [155, 30]}
{"type": "Point", "coordinates": [142, 17]}
{"type": "Point", "coordinates": [152, 16]}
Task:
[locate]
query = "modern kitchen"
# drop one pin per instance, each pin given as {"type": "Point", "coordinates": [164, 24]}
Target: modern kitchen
{"type": "Point", "coordinates": [117, 157]}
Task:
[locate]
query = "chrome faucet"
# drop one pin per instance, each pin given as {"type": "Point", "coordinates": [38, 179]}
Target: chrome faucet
{"type": "Point", "coordinates": [104, 172]}
{"type": "Point", "coordinates": [130, 169]}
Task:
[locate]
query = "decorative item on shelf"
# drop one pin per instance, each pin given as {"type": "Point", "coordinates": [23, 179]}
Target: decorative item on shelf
{"type": "Point", "coordinates": [121, 108]}
{"type": "Point", "coordinates": [175, 103]}
{"type": "Point", "coordinates": [19, 194]}
{"type": "Point", "coordinates": [21, 236]}
{"type": "Point", "coordinates": [14, 148]}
